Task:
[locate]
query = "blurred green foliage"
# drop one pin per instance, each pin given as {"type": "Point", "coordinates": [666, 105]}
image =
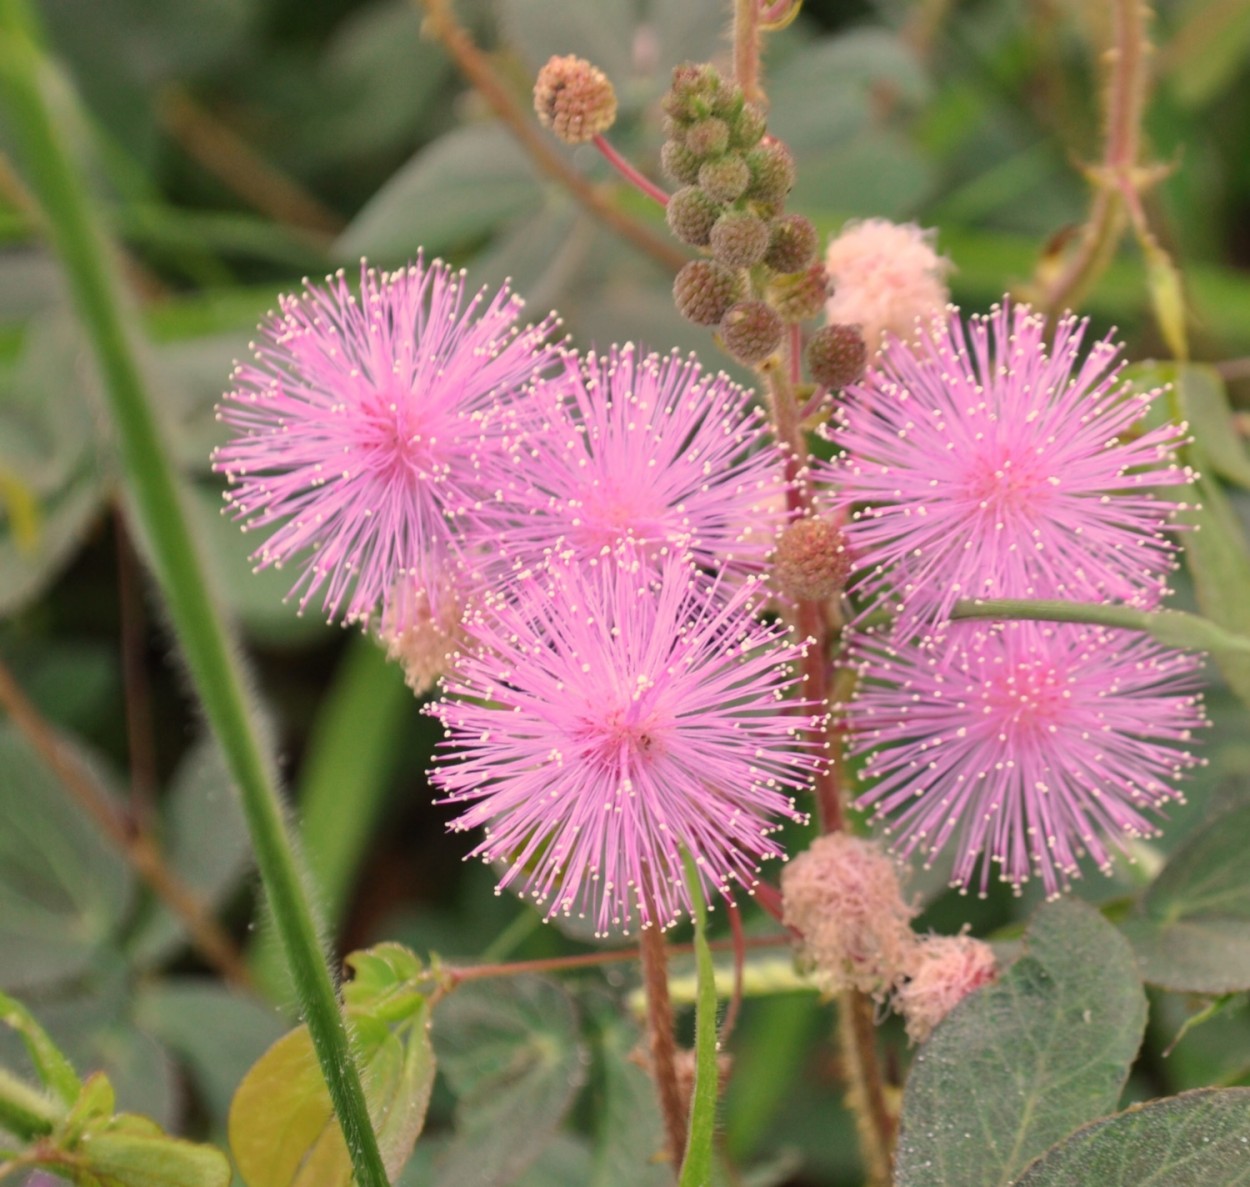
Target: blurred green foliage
{"type": "Point", "coordinates": [235, 146]}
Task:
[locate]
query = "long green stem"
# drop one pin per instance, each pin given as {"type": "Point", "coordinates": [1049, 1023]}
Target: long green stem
{"type": "Point", "coordinates": [696, 1169]}
{"type": "Point", "coordinates": [33, 93]}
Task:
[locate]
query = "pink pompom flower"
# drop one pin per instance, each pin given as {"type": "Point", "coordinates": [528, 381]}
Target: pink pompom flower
{"type": "Point", "coordinates": [986, 465]}
{"type": "Point", "coordinates": [365, 429]}
{"type": "Point", "coordinates": [1022, 744]}
{"type": "Point", "coordinates": [608, 718]}
{"type": "Point", "coordinates": [649, 453]}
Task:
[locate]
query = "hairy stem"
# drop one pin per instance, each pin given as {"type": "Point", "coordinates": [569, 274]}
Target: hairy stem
{"type": "Point", "coordinates": [644, 185]}
{"type": "Point", "coordinates": [35, 97]}
{"type": "Point", "coordinates": [747, 48]}
{"type": "Point", "coordinates": [475, 66]}
{"type": "Point", "coordinates": [663, 1045]}
{"type": "Point", "coordinates": [865, 1093]}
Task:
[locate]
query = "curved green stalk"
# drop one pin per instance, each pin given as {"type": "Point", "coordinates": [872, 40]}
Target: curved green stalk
{"type": "Point", "coordinates": [696, 1169]}
{"type": "Point", "coordinates": [35, 95]}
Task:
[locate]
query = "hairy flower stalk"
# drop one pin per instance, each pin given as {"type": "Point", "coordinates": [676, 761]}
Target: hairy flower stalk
{"type": "Point", "coordinates": [607, 719]}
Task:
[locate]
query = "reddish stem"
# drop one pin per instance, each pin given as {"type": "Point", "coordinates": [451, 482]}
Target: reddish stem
{"type": "Point", "coordinates": [643, 184]}
{"type": "Point", "coordinates": [740, 956]}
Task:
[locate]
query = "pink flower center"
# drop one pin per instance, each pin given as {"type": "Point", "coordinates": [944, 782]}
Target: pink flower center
{"type": "Point", "coordinates": [626, 737]}
{"type": "Point", "coordinates": [1006, 484]}
{"type": "Point", "coordinates": [1026, 700]}
{"type": "Point", "coordinates": [398, 435]}
{"type": "Point", "coordinates": [612, 513]}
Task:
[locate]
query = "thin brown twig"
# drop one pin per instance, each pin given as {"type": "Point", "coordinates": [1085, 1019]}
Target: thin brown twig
{"type": "Point", "coordinates": [865, 1091]}
{"type": "Point", "coordinates": [137, 847]}
{"type": "Point", "coordinates": [673, 1106]}
{"type": "Point", "coordinates": [140, 743]}
{"type": "Point", "coordinates": [476, 68]}
{"type": "Point", "coordinates": [226, 155]}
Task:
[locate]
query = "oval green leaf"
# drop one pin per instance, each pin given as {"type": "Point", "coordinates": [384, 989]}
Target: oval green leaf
{"type": "Point", "coordinates": [1197, 1139]}
{"type": "Point", "coordinates": [1021, 1063]}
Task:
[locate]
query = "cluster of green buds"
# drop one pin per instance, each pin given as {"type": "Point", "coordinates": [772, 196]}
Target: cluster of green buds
{"type": "Point", "coordinates": [761, 271]}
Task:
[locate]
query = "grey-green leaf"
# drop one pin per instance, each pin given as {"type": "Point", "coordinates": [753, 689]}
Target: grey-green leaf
{"type": "Point", "coordinates": [1023, 1062]}
{"type": "Point", "coordinates": [512, 1054]}
{"type": "Point", "coordinates": [458, 189]}
{"type": "Point", "coordinates": [1197, 1139]}
{"type": "Point", "coordinates": [1191, 930]}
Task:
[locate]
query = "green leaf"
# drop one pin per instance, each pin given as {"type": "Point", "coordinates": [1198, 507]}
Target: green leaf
{"type": "Point", "coordinates": [1019, 1064]}
{"type": "Point", "coordinates": [1204, 400]}
{"type": "Point", "coordinates": [53, 1069]}
{"type": "Point", "coordinates": [512, 1055]}
{"type": "Point", "coordinates": [63, 889]}
{"type": "Point", "coordinates": [284, 1094]}
{"type": "Point", "coordinates": [629, 1132]}
{"type": "Point", "coordinates": [1197, 1139]}
{"type": "Point", "coordinates": [132, 1152]}
{"type": "Point", "coordinates": [205, 839]}
{"type": "Point", "coordinates": [1191, 930]}
{"type": "Point", "coordinates": [458, 189]}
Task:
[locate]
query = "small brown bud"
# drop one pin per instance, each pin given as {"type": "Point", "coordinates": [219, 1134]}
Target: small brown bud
{"type": "Point", "coordinates": [574, 99]}
{"type": "Point", "coordinates": [751, 331]}
{"type": "Point", "coordinates": [837, 355]}
{"type": "Point", "coordinates": [793, 244]}
{"type": "Point", "coordinates": [679, 163]}
{"type": "Point", "coordinates": [708, 138]}
{"type": "Point", "coordinates": [811, 563]}
{"type": "Point", "coordinates": [772, 172]}
{"type": "Point", "coordinates": [724, 179]}
{"type": "Point", "coordinates": [691, 213]}
{"type": "Point", "coordinates": [739, 239]}
{"type": "Point", "coordinates": [692, 93]}
{"type": "Point", "coordinates": [704, 290]}
{"type": "Point", "coordinates": [801, 294]}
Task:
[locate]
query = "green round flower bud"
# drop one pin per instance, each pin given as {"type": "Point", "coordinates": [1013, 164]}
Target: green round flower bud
{"type": "Point", "coordinates": [811, 563]}
{"type": "Point", "coordinates": [793, 244]}
{"type": "Point", "coordinates": [692, 93]}
{"type": "Point", "coordinates": [728, 101]}
{"type": "Point", "coordinates": [691, 213]}
{"type": "Point", "coordinates": [679, 163]}
{"type": "Point", "coordinates": [739, 239]}
{"type": "Point", "coordinates": [725, 178]}
{"type": "Point", "coordinates": [772, 172]}
{"type": "Point", "coordinates": [704, 290]}
{"type": "Point", "coordinates": [574, 99]}
{"type": "Point", "coordinates": [837, 355]}
{"type": "Point", "coordinates": [708, 138]}
{"type": "Point", "coordinates": [751, 331]}
{"type": "Point", "coordinates": [801, 295]}
{"type": "Point", "coordinates": [748, 129]}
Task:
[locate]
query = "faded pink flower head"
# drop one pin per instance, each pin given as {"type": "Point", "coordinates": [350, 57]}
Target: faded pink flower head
{"type": "Point", "coordinates": [422, 627]}
{"type": "Point", "coordinates": [1024, 744]}
{"type": "Point", "coordinates": [607, 719]}
{"type": "Point", "coordinates": [843, 896]}
{"type": "Point", "coordinates": [364, 428]}
{"type": "Point", "coordinates": [886, 277]}
{"type": "Point", "coordinates": [943, 970]}
{"type": "Point", "coordinates": [988, 465]}
{"type": "Point", "coordinates": [650, 453]}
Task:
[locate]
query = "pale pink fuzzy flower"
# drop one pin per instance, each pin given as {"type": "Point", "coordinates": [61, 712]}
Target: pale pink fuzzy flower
{"type": "Point", "coordinates": [1024, 744]}
{"type": "Point", "coordinates": [943, 970]}
{"type": "Point", "coordinates": [647, 452]}
{"type": "Point", "coordinates": [886, 277]}
{"type": "Point", "coordinates": [365, 431]}
{"type": "Point", "coordinates": [988, 465]}
{"type": "Point", "coordinates": [422, 627]}
{"type": "Point", "coordinates": [843, 896]}
{"type": "Point", "coordinates": [608, 718]}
